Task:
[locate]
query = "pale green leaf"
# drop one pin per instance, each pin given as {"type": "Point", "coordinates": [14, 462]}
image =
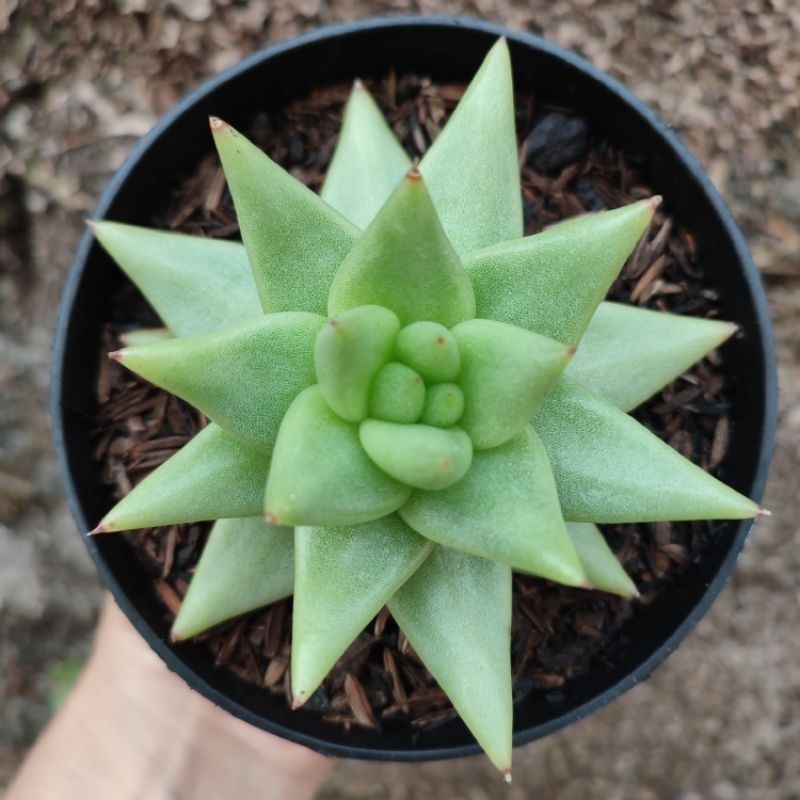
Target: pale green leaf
{"type": "Point", "coordinates": [472, 168]}
{"type": "Point", "coordinates": [550, 283]}
{"type": "Point", "coordinates": [343, 577]}
{"type": "Point", "coordinates": [506, 509]}
{"type": "Point", "coordinates": [320, 474]}
{"type": "Point", "coordinates": [404, 262]}
{"type": "Point", "coordinates": [367, 164]}
{"type": "Point", "coordinates": [141, 336]}
{"type": "Point", "coordinates": [212, 476]}
{"type": "Point", "coordinates": [602, 567]}
{"type": "Point", "coordinates": [349, 350]}
{"type": "Point", "coordinates": [627, 354]}
{"type": "Point", "coordinates": [246, 564]}
{"type": "Point", "coordinates": [456, 612]}
{"type": "Point", "coordinates": [397, 394]}
{"type": "Point", "coordinates": [294, 240]}
{"type": "Point", "coordinates": [196, 285]}
{"type": "Point", "coordinates": [505, 374]}
{"type": "Point", "coordinates": [242, 378]}
{"type": "Point", "coordinates": [609, 468]}
{"type": "Point", "coordinates": [430, 349]}
{"type": "Point", "coordinates": [418, 455]}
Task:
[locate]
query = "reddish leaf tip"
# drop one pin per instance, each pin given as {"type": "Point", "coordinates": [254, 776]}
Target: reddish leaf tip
{"type": "Point", "coordinates": [297, 702]}
{"type": "Point", "coordinates": [358, 85]}
{"type": "Point", "coordinates": [654, 202]}
{"type": "Point", "coordinates": [763, 512]}
{"type": "Point", "coordinates": [91, 224]}
{"type": "Point", "coordinates": [506, 773]}
{"type": "Point", "coordinates": [218, 125]}
{"type": "Point", "coordinates": [117, 355]}
{"type": "Point", "coordinates": [414, 174]}
{"type": "Point", "coordinates": [270, 518]}
{"type": "Point", "coordinates": [101, 528]}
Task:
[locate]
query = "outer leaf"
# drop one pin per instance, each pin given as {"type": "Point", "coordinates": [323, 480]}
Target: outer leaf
{"type": "Point", "coordinates": [505, 509]}
{"type": "Point", "coordinates": [321, 475]}
{"type": "Point", "coordinates": [472, 168]}
{"type": "Point", "coordinates": [506, 372]}
{"type": "Point", "coordinates": [348, 352]}
{"type": "Point", "coordinates": [418, 455]}
{"type": "Point", "coordinates": [196, 285]}
{"type": "Point", "coordinates": [243, 378]}
{"type": "Point", "coordinates": [210, 477]}
{"type": "Point", "coordinates": [627, 354]}
{"type": "Point", "coordinates": [246, 564]}
{"type": "Point", "coordinates": [602, 567]}
{"type": "Point", "coordinates": [368, 162]}
{"type": "Point", "coordinates": [609, 468]}
{"type": "Point", "coordinates": [294, 239]}
{"type": "Point", "coordinates": [551, 283]}
{"type": "Point", "coordinates": [456, 612]}
{"type": "Point", "coordinates": [343, 577]}
{"type": "Point", "coordinates": [404, 262]}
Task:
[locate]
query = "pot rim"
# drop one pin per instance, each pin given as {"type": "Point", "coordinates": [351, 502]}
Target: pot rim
{"type": "Point", "coordinates": [767, 351]}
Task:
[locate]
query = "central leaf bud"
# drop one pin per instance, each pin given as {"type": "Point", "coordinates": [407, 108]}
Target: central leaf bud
{"type": "Point", "coordinates": [398, 394]}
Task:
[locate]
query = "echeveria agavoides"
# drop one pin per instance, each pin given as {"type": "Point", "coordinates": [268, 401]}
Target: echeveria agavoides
{"type": "Point", "coordinates": [396, 416]}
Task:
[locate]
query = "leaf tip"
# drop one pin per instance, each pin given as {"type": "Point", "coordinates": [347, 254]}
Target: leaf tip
{"type": "Point", "coordinates": [218, 125]}
{"type": "Point", "coordinates": [654, 202]}
{"type": "Point", "coordinates": [271, 518]}
{"type": "Point", "coordinates": [117, 355]}
{"type": "Point", "coordinates": [358, 85]}
{"type": "Point", "coordinates": [90, 224]}
{"type": "Point", "coordinates": [101, 528]}
{"type": "Point", "coordinates": [763, 512]}
{"type": "Point", "coordinates": [414, 174]}
{"type": "Point", "coordinates": [506, 773]}
{"type": "Point", "coordinates": [297, 701]}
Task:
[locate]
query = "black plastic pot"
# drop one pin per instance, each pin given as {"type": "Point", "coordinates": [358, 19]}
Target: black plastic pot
{"type": "Point", "coordinates": [447, 50]}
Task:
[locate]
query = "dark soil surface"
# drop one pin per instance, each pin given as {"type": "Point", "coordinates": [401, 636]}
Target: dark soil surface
{"type": "Point", "coordinates": [81, 80]}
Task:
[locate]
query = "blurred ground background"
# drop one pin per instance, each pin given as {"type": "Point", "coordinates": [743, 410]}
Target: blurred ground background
{"type": "Point", "coordinates": [81, 80]}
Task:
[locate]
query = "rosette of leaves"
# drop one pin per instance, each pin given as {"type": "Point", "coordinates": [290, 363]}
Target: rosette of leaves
{"type": "Point", "coordinates": [396, 415]}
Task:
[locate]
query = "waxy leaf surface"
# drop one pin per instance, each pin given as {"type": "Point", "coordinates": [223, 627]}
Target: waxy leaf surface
{"type": "Point", "coordinates": [472, 168]}
{"type": "Point", "coordinates": [294, 239]}
{"type": "Point", "coordinates": [506, 509]}
{"type": "Point", "coordinates": [242, 378]}
{"type": "Point", "coordinates": [404, 262]}
{"type": "Point", "coordinates": [650, 348]}
{"type": "Point", "coordinates": [506, 372]}
{"type": "Point", "coordinates": [246, 564]}
{"type": "Point", "coordinates": [609, 468]}
{"type": "Point", "coordinates": [456, 612]}
{"type": "Point", "coordinates": [343, 577]}
{"type": "Point", "coordinates": [367, 164]}
{"type": "Point", "coordinates": [320, 474]}
{"type": "Point", "coordinates": [551, 283]}
{"type": "Point", "coordinates": [196, 285]}
{"type": "Point", "coordinates": [210, 477]}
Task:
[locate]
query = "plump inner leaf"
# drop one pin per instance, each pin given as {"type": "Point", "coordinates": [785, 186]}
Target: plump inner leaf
{"type": "Point", "coordinates": [246, 564]}
{"type": "Point", "coordinates": [367, 164]}
{"type": "Point", "coordinates": [212, 476]}
{"type": "Point", "coordinates": [456, 612]}
{"type": "Point", "coordinates": [404, 262]}
{"type": "Point", "coordinates": [506, 509]}
{"type": "Point", "coordinates": [609, 468]}
{"type": "Point", "coordinates": [243, 378]}
{"type": "Point", "coordinates": [417, 455]}
{"type": "Point", "coordinates": [320, 474]}
{"type": "Point", "coordinates": [650, 348]}
{"type": "Point", "coordinates": [343, 577]}
{"type": "Point", "coordinates": [348, 353]}
{"type": "Point", "coordinates": [430, 349]}
{"type": "Point", "coordinates": [294, 239]}
{"type": "Point", "coordinates": [551, 283]}
{"type": "Point", "coordinates": [397, 394]}
{"type": "Point", "coordinates": [505, 374]}
{"type": "Point", "coordinates": [472, 168]}
{"type": "Point", "coordinates": [196, 285]}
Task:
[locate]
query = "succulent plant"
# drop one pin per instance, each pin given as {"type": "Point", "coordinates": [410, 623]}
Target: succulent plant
{"type": "Point", "coordinates": [408, 399]}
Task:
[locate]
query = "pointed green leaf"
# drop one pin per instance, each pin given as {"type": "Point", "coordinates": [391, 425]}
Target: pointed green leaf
{"type": "Point", "coordinates": [367, 164]}
{"type": "Point", "coordinates": [551, 283]}
{"type": "Point", "coordinates": [294, 239]}
{"type": "Point", "coordinates": [348, 352]}
{"type": "Point", "coordinates": [404, 262]}
{"type": "Point", "coordinates": [627, 354]}
{"type": "Point", "coordinates": [212, 476]}
{"type": "Point", "coordinates": [472, 168]}
{"type": "Point", "coordinates": [602, 567]}
{"type": "Point", "coordinates": [609, 468]}
{"type": "Point", "coordinates": [320, 474]}
{"type": "Point", "coordinates": [242, 378]}
{"type": "Point", "coordinates": [418, 455]}
{"type": "Point", "coordinates": [506, 509]}
{"type": "Point", "coordinates": [343, 577]}
{"type": "Point", "coordinates": [196, 285]}
{"type": "Point", "coordinates": [246, 564]}
{"type": "Point", "coordinates": [456, 612]}
{"type": "Point", "coordinates": [505, 374]}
